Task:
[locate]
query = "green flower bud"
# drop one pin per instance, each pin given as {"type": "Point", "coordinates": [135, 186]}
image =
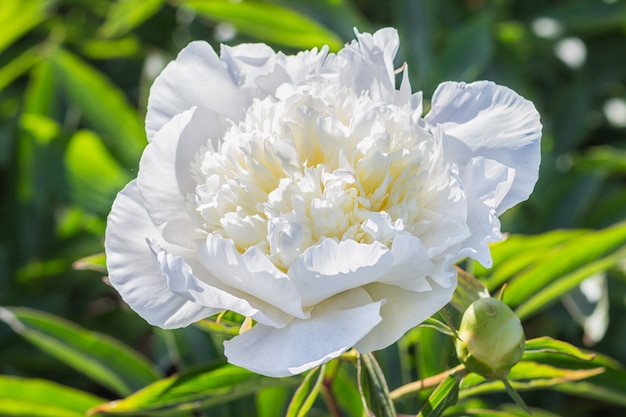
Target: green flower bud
{"type": "Point", "coordinates": [491, 338]}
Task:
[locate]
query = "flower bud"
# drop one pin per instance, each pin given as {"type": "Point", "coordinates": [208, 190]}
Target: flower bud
{"type": "Point", "coordinates": [490, 338]}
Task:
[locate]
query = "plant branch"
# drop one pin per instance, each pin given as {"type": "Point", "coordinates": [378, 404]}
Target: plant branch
{"type": "Point", "coordinates": [425, 383]}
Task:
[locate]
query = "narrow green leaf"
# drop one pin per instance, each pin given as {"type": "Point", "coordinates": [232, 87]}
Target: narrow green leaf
{"type": "Point", "coordinates": [373, 387]}
{"type": "Point", "coordinates": [307, 392]}
{"type": "Point", "coordinates": [18, 66]}
{"type": "Point", "coordinates": [104, 106]}
{"type": "Point", "coordinates": [438, 325]}
{"type": "Point", "coordinates": [445, 395]}
{"type": "Point", "coordinates": [94, 176]}
{"type": "Point", "coordinates": [268, 22]}
{"type": "Point", "coordinates": [566, 259]}
{"type": "Point", "coordinates": [17, 17]}
{"type": "Point", "coordinates": [100, 357]}
{"type": "Point", "coordinates": [39, 398]}
{"type": "Point", "coordinates": [517, 252]}
{"type": "Point", "coordinates": [549, 345]}
{"type": "Point", "coordinates": [515, 396]}
{"type": "Point", "coordinates": [202, 387]}
{"type": "Point", "coordinates": [527, 376]}
{"type": "Point", "coordinates": [552, 293]}
{"type": "Point", "coordinates": [123, 15]}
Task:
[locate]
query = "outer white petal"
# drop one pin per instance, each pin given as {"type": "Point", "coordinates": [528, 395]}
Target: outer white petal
{"type": "Point", "coordinates": [164, 177]}
{"type": "Point", "coordinates": [332, 267]}
{"type": "Point", "coordinates": [133, 271]}
{"type": "Point", "coordinates": [485, 119]}
{"type": "Point", "coordinates": [402, 311]}
{"type": "Point", "coordinates": [334, 327]}
{"type": "Point", "coordinates": [197, 78]}
{"type": "Point", "coordinates": [252, 273]}
{"type": "Point", "coordinates": [183, 280]}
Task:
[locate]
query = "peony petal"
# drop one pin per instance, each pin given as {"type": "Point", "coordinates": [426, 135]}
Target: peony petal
{"type": "Point", "coordinates": [165, 177]}
{"type": "Point", "coordinates": [487, 183]}
{"type": "Point", "coordinates": [411, 264]}
{"type": "Point", "coordinates": [402, 311]}
{"type": "Point", "coordinates": [366, 64]}
{"type": "Point", "coordinates": [132, 270]}
{"type": "Point", "coordinates": [334, 327]}
{"type": "Point", "coordinates": [332, 267]}
{"type": "Point", "coordinates": [197, 78]}
{"type": "Point", "coordinates": [485, 119]}
{"type": "Point", "coordinates": [181, 279]}
{"type": "Point", "coordinates": [252, 273]}
{"type": "Point", "coordinates": [246, 62]}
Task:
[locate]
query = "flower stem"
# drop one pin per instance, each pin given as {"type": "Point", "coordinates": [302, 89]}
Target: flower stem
{"type": "Point", "coordinates": [425, 383]}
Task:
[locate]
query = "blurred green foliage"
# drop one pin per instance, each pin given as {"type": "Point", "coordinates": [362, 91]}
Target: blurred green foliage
{"type": "Point", "coordinates": [74, 80]}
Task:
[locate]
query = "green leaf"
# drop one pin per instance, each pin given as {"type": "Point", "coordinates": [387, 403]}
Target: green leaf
{"type": "Point", "coordinates": [445, 395]}
{"type": "Point", "coordinates": [526, 376]}
{"type": "Point", "coordinates": [203, 387]}
{"type": "Point", "coordinates": [123, 15]}
{"type": "Point", "coordinates": [19, 16]}
{"type": "Point", "coordinates": [515, 395]}
{"type": "Point", "coordinates": [103, 105]}
{"type": "Point", "coordinates": [18, 65]}
{"type": "Point", "coordinates": [549, 345]}
{"type": "Point", "coordinates": [39, 398]}
{"type": "Point", "coordinates": [94, 176]}
{"type": "Point", "coordinates": [373, 387]}
{"type": "Point", "coordinates": [268, 22]}
{"type": "Point", "coordinates": [272, 401]}
{"type": "Point", "coordinates": [100, 357]}
{"type": "Point", "coordinates": [307, 392]}
{"type": "Point", "coordinates": [546, 276]}
{"type": "Point", "coordinates": [518, 252]}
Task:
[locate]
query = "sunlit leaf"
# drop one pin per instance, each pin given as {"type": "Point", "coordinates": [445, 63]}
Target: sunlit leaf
{"type": "Point", "coordinates": [307, 392]}
{"type": "Point", "coordinates": [38, 398]}
{"type": "Point", "coordinates": [94, 176]}
{"type": "Point", "coordinates": [203, 387]}
{"type": "Point", "coordinates": [17, 17]}
{"type": "Point", "coordinates": [545, 344]}
{"type": "Point", "coordinates": [18, 66]}
{"type": "Point", "coordinates": [526, 376]}
{"type": "Point", "coordinates": [272, 401]}
{"type": "Point", "coordinates": [103, 105]}
{"type": "Point", "coordinates": [123, 15]}
{"type": "Point", "coordinates": [445, 395]}
{"type": "Point", "coordinates": [268, 22]}
{"type": "Point", "coordinates": [97, 356]}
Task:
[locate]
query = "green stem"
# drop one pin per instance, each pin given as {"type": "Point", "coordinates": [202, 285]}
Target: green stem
{"type": "Point", "coordinates": [425, 383]}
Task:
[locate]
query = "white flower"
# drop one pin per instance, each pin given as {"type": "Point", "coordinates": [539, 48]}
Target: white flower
{"type": "Point", "coordinates": [308, 193]}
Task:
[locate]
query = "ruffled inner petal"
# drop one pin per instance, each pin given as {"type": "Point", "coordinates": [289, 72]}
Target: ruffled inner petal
{"type": "Point", "coordinates": [332, 267]}
{"type": "Point", "coordinates": [335, 326]}
{"type": "Point", "coordinates": [181, 279]}
{"type": "Point", "coordinates": [251, 273]}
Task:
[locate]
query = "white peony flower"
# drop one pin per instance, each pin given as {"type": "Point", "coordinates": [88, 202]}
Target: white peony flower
{"type": "Point", "coordinates": [308, 193]}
